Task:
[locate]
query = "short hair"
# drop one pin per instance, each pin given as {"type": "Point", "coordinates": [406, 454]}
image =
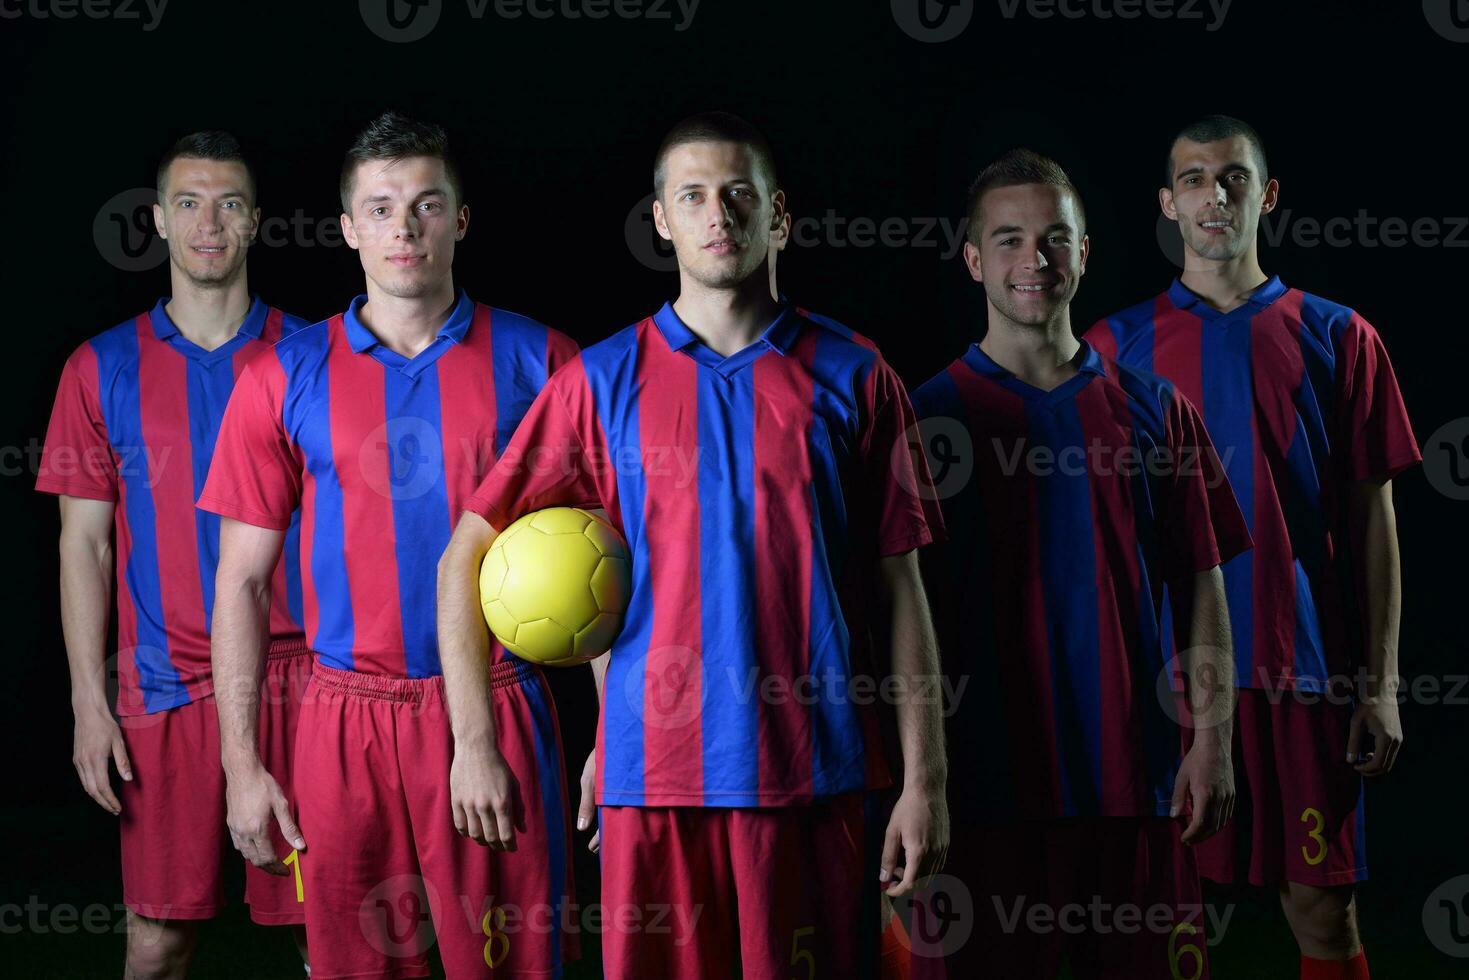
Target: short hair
{"type": "Point", "coordinates": [394, 136]}
{"type": "Point", "coordinates": [1212, 129]}
{"type": "Point", "coordinates": [207, 144]}
{"type": "Point", "coordinates": [713, 127]}
{"type": "Point", "coordinates": [1014, 168]}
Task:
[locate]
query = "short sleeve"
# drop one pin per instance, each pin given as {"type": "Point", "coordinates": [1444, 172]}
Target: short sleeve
{"type": "Point", "coordinates": [546, 463]}
{"type": "Point", "coordinates": [77, 459]}
{"type": "Point", "coordinates": [895, 468]}
{"type": "Point", "coordinates": [560, 349]}
{"type": "Point", "coordinates": [1372, 421]}
{"type": "Point", "coordinates": [254, 476]}
{"type": "Point", "coordinates": [1200, 520]}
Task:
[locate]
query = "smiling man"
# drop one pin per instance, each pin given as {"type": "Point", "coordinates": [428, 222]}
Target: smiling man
{"type": "Point", "coordinates": [1092, 486]}
{"type": "Point", "coordinates": [130, 440]}
{"type": "Point", "coordinates": [737, 749]}
{"type": "Point", "coordinates": [379, 423]}
{"type": "Point", "coordinates": [1300, 395]}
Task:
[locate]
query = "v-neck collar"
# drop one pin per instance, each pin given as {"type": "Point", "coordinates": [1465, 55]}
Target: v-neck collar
{"type": "Point", "coordinates": [1091, 366]}
{"type": "Point", "coordinates": [1263, 295]}
{"type": "Point", "coordinates": [778, 336]}
{"type": "Point", "coordinates": [168, 332]}
{"type": "Point", "coordinates": [364, 341]}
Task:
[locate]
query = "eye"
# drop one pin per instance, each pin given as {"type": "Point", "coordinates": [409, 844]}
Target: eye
{"type": "Point", "coordinates": [1059, 240]}
{"type": "Point", "coordinates": [378, 211]}
{"type": "Point", "coordinates": [230, 204]}
{"type": "Point", "coordinates": [429, 206]}
{"type": "Point", "coordinates": [186, 204]}
{"type": "Point", "coordinates": [688, 197]}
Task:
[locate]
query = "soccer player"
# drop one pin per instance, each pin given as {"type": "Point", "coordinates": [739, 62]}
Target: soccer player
{"type": "Point", "coordinates": [1092, 485]}
{"type": "Point", "coordinates": [129, 443]}
{"type": "Point", "coordinates": [379, 423]}
{"type": "Point", "coordinates": [1299, 394]}
{"type": "Point", "coordinates": [757, 463]}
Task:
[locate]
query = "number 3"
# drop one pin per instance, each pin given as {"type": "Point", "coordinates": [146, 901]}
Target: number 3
{"type": "Point", "coordinates": [1314, 834]}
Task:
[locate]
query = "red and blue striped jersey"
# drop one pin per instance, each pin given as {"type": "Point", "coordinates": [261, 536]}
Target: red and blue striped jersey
{"type": "Point", "coordinates": [137, 413]}
{"type": "Point", "coordinates": [757, 493]}
{"type": "Point", "coordinates": [380, 452]}
{"type": "Point", "coordinates": [1081, 504]}
{"type": "Point", "coordinates": [1300, 397]}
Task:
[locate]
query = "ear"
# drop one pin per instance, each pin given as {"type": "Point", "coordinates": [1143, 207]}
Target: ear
{"type": "Point", "coordinates": [461, 223]}
{"type": "Point", "coordinates": [1086, 250]}
{"type": "Point", "coordinates": [1272, 196]}
{"type": "Point", "coordinates": [971, 261]}
{"type": "Point", "coordinates": [254, 224]}
{"type": "Point", "coordinates": [660, 221]}
{"type": "Point", "coordinates": [158, 225]}
{"type": "Point", "coordinates": [349, 230]}
{"type": "Point", "coordinates": [1165, 201]}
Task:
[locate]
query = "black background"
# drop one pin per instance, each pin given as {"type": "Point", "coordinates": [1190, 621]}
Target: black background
{"type": "Point", "coordinates": [555, 121]}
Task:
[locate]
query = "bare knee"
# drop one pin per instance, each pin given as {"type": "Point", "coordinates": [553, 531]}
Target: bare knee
{"type": "Point", "coordinates": [158, 949]}
{"type": "Point", "coordinates": [1324, 920]}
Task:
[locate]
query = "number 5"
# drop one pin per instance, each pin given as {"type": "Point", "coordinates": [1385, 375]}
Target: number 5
{"type": "Point", "coordinates": [798, 954]}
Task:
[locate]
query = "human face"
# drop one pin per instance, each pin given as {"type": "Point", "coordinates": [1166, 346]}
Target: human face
{"type": "Point", "coordinates": [404, 224]}
{"type": "Point", "coordinates": [206, 212]}
{"type": "Point", "coordinates": [1217, 196]}
{"type": "Point", "coordinates": [1029, 254]}
{"type": "Point", "coordinates": [719, 212]}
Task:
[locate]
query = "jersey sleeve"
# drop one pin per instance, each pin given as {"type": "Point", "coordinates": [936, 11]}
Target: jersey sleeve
{"type": "Point", "coordinates": [560, 349]}
{"type": "Point", "coordinates": [895, 469]}
{"type": "Point", "coordinates": [1099, 335]}
{"type": "Point", "coordinates": [1372, 422]}
{"type": "Point", "coordinates": [77, 459]}
{"type": "Point", "coordinates": [546, 463]}
{"type": "Point", "coordinates": [1200, 522]}
{"type": "Point", "coordinates": [255, 476]}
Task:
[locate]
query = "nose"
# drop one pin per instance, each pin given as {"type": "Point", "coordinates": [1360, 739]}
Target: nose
{"type": "Point", "coordinates": [1039, 260]}
{"type": "Point", "coordinates": [1221, 195]}
{"type": "Point", "coordinates": [716, 212]}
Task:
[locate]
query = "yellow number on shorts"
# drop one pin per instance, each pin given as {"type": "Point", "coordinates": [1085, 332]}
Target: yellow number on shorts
{"type": "Point", "coordinates": [493, 926]}
{"type": "Point", "coordinates": [1177, 952]}
{"type": "Point", "coordinates": [293, 861]}
{"type": "Point", "coordinates": [799, 955]}
{"type": "Point", "coordinates": [1314, 834]}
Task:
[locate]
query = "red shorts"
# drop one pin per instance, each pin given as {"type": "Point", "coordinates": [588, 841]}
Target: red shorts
{"type": "Point", "coordinates": [174, 837]}
{"type": "Point", "coordinates": [687, 892]}
{"type": "Point", "coordinates": [1117, 897]}
{"type": "Point", "coordinates": [273, 900]}
{"type": "Point", "coordinates": [1298, 816]}
{"type": "Point", "coordinates": [385, 873]}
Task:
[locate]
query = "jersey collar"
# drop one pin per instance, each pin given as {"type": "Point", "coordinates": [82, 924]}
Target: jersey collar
{"type": "Point", "coordinates": [982, 364]}
{"type": "Point", "coordinates": [363, 341]}
{"type": "Point", "coordinates": [1184, 298]}
{"type": "Point", "coordinates": [779, 336]}
{"type": "Point", "coordinates": [168, 332]}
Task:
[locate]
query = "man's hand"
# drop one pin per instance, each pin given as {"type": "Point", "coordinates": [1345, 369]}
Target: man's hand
{"type": "Point", "coordinates": [917, 841]}
{"type": "Point", "coordinates": [253, 800]}
{"type": "Point", "coordinates": [1379, 716]}
{"type": "Point", "coordinates": [1204, 788]}
{"type": "Point", "coordinates": [485, 796]}
{"type": "Point", "coordinates": [586, 809]}
{"type": "Point", "coordinates": [96, 740]}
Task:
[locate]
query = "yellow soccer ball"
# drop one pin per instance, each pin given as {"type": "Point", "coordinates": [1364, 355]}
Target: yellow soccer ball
{"type": "Point", "coordinates": [555, 585]}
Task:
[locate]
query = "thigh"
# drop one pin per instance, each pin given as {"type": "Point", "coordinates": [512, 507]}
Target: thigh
{"type": "Point", "coordinates": [172, 824]}
{"type": "Point", "coordinates": [274, 900]}
{"type": "Point", "coordinates": [1323, 827]}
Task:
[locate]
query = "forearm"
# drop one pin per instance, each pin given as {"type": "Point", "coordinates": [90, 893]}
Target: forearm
{"type": "Point", "coordinates": [86, 594]}
{"type": "Point", "coordinates": [915, 667]}
{"type": "Point", "coordinates": [463, 636]}
{"type": "Point", "coordinates": [599, 675]}
{"type": "Point", "coordinates": [238, 642]}
{"type": "Point", "coordinates": [1208, 660]}
{"type": "Point", "coordinates": [1380, 586]}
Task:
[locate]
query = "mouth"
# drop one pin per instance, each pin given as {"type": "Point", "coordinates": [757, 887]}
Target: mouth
{"type": "Point", "coordinates": [722, 246]}
{"type": "Point", "coordinates": [208, 249]}
{"type": "Point", "coordinates": [1216, 225]}
{"type": "Point", "coordinates": [1032, 288]}
{"type": "Point", "coordinates": [405, 261]}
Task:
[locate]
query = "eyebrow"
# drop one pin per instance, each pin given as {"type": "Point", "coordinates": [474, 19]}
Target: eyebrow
{"type": "Point", "coordinates": [431, 192]}
{"type": "Point", "coordinates": [1012, 229]}
{"type": "Point", "coordinates": [229, 193]}
{"type": "Point", "coordinates": [692, 184]}
{"type": "Point", "coordinates": [1232, 165]}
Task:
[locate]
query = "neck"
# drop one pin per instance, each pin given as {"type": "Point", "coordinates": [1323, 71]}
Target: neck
{"type": "Point", "coordinates": [1224, 284]}
{"type": "Point", "coordinates": [726, 320]}
{"type": "Point", "coordinates": [407, 325]}
{"type": "Point", "coordinates": [1043, 356]}
{"type": "Point", "coordinates": [208, 316]}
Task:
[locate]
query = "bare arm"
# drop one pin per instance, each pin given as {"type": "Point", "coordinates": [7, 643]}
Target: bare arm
{"type": "Point", "coordinates": [918, 831]}
{"type": "Point", "coordinates": [238, 643]}
{"type": "Point", "coordinates": [1381, 589]}
{"type": "Point", "coordinates": [86, 595]}
{"type": "Point", "coordinates": [481, 784]}
{"type": "Point", "coordinates": [1205, 781]}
